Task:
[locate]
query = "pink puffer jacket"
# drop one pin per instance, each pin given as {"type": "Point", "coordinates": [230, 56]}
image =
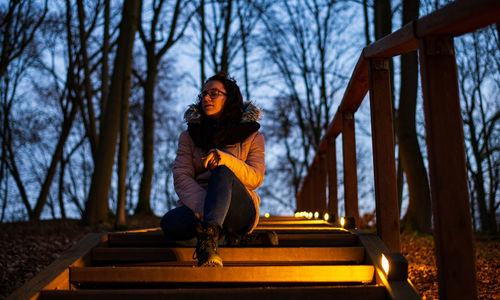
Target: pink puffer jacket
{"type": "Point", "coordinates": [245, 159]}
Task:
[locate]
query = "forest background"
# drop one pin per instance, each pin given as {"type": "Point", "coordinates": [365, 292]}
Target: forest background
{"type": "Point", "coordinates": [92, 95]}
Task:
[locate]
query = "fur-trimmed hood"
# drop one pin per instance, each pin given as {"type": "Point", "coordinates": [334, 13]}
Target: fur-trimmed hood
{"type": "Point", "coordinates": [251, 113]}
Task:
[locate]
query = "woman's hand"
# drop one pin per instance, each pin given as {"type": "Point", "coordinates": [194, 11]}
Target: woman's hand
{"type": "Point", "coordinates": [211, 160]}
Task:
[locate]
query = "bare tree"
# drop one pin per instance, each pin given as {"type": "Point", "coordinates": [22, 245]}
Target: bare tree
{"type": "Point", "coordinates": [226, 31]}
{"type": "Point", "coordinates": [419, 213]}
{"type": "Point", "coordinates": [18, 25]}
{"type": "Point", "coordinates": [476, 55]}
{"type": "Point", "coordinates": [97, 207]}
{"type": "Point", "coordinates": [155, 50]}
{"type": "Point", "coordinates": [299, 40]}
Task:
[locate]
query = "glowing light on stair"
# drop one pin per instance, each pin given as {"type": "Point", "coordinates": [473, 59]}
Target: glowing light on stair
{"type": "Point", "coordinates": [385, 264]}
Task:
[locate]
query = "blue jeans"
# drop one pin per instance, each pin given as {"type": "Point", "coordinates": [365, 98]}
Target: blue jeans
{"type": "Point", "coordinates": [227, 204]}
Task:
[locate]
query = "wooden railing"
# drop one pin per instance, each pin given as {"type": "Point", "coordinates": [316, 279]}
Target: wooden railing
{"type": "Point", "coordinates": [432, 36]}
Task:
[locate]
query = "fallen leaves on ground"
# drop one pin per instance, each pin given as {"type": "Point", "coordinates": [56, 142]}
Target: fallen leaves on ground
{"type": "Point", "coordinates": [419, 251]}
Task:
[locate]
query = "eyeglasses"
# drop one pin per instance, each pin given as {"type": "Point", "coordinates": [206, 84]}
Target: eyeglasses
{"type": "Point", "coordinates": [212, 93]}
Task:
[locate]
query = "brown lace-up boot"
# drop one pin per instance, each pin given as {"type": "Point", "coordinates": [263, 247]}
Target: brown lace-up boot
{"type": "Point", "coordinates": [206, 247]}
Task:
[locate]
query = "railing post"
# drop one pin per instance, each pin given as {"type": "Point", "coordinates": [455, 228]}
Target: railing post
{"type": "Point", "coordinates": [305, 196]}
{"type": "Point", "coordinates": [384, 162]}
{"type": "Point", "coordinates": [312, 184]}
{"type": "Point", "coordinates": [320, 185]}
{"type": "Point", "coordinates": [447, 169]}
{"type": "Point", "coordinates": [350, 166]}
{"type": "Point", "coordinates": [310, 192]}
{"type": "Point", "coordinates": [333, 201]}
{"type": "Point", "coordinates": [299, 197]}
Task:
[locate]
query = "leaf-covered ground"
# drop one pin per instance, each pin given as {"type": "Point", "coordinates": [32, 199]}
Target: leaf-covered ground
{"type": "Point", "coordinates": [419, 251]}
{"type": "Point", "coordinates": [26, 248]}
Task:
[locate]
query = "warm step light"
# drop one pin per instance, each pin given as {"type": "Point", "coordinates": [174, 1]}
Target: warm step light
{"type": "Point", "coordinates": [385, 264]}
{"type": "Point", "coordinates": [348, 222]}
{"type": "Point", "coordinates": [395, 266]}
{"type": "Point", "coordinates": [266, 215]}
{"type": "Point", "coordinates": [326, 216]}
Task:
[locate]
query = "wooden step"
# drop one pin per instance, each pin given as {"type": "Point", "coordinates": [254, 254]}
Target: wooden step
{"type": "Point", "coordinates": [300, 227]}
{"type": "Point", "coordinates": [251, 275]}
{"type": "Point", "coordinates": [287, 237]}
{"type": "Point", "coordinates": [297, 255]}
{"type": "Point", "coordinates": [366, 292]}
{"type": "Point", "coordinates": [292, 222]}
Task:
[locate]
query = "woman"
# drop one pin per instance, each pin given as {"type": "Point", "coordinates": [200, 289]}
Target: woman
{"type": "Point", "coordinates": [219, 164]}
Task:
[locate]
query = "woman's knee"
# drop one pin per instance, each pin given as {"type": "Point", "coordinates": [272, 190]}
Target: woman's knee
{"type": "Point", "coordinates": [177, 225]}
{"type": "Point", "coordinates": [222, 171]}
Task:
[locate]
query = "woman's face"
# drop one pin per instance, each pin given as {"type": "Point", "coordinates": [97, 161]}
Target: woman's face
{"type": "Point", "coordinates": [213, 97]}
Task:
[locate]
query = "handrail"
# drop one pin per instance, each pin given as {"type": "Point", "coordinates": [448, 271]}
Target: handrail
{"type": "Point", "coordinates": [432, 35]}
{"type": "Point", "coordinates": [461, 17]}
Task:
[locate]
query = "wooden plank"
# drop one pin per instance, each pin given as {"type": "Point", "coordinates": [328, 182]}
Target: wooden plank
{"type": "Point", "coordinates": [56, 275]}
{"type": "Point", "coordinates": [237, 254]}
{"type": "Point", "coordinates": [366, 292]}
{"type": "Point", "coordinates": [316, 239]}
{"type": "Point", "coordinates": [313, 185]}
{"type": "Point", "coordinates": [286, 237]}
{"type": "Point", "coordinates": [321, 184]}
{"type": "Point", "coordinates": [296, 221]}
{"type": "Point", "coordinates": [298, 228]}
{"type": "Point", "coordinates": [459, 17]}
{"type": "Point", "coordinates": [331, 160]}
{"type": "Point", "coordinates": [447, 170]}
{"type": "Point", "coordinates": [374, 250]}
{"type": "Point", "coordinates": [303, 203]}
{"type": "Point", "coordinates": [384, 162]}
{"type": "Point", "coordinates": [353, 96]}
{"type": "Point", "coordinates": [397, 43]}
{"type": "Point", "coordinates": [273, 218]}
{"type": "Point", "coordinates": [313, 222]}
{"type": "Point", "coordinates": [262, 275]}
{"type": "Point", "coordinates": [350, 166]}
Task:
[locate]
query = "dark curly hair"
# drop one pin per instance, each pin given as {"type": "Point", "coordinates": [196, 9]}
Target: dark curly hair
{"type": "Point", "coordinates": [233, 107]}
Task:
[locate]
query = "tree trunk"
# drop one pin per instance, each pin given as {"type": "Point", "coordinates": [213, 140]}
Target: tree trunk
{"type": "Point", "coordinates": [122, 165]}
{"type": "Point", "coordinates": [153, 59]}
{"type": "Point", "coordinates": [203, 41]}
{"type": "Point", "coordinates": [105, 53]}
{"type": "Point", "coordinates": [419, 213]}
{"type": "Point", "coordinates": [224, 63]}
{"type": "Point", "coordinates": [97, 206]}
{"type": "Point", "coordinates": [367, 22]}
{"type": "Point", "coordinates": [60, 195]}
{"type": "Point", "coordinates": [11, 162]}
{"type": "Point", "coordinates": [92, 128]}
{"type": "Point", "coordinates": [382, 18]}
{"type": "Point", "coordinates": [56, 157]}
{"type": "Point", "coordinates": [143, 205]}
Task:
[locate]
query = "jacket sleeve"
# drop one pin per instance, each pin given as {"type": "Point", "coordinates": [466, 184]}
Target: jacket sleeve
{"type": "Point", "coordinates": [189, 191]}
{"type": "Point", "coordinates": [249, 172]}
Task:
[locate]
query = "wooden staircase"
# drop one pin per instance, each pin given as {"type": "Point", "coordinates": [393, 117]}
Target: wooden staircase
{"type": "Point", "coordinates": [314, 258]}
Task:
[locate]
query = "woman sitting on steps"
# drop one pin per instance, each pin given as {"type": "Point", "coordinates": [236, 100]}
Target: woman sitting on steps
{"type": "Point", "coordinates": [219, 164]}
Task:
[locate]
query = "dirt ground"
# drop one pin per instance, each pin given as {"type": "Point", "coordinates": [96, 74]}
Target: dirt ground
{"type": "Point", "coordinates": [27, 247]}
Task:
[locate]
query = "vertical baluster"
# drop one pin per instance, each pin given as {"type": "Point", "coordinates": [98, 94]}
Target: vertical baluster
{"type": "Point", "coordinates": [384, 163]}
{"type": "Point", "coordinates": [321, 183]}
{"type": "Point", "coordinates": [314, 194]}
{"type": "Point", "coordinates": [332, 180]}
{"type": "Point", "coordinates": [447, 169]}
{"type": "Point", "coordinates": [309, 196]}
{"type": "Point", "coordinates": [299, 199]}
{"type": "Point", "coordinates": [350, 166]}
